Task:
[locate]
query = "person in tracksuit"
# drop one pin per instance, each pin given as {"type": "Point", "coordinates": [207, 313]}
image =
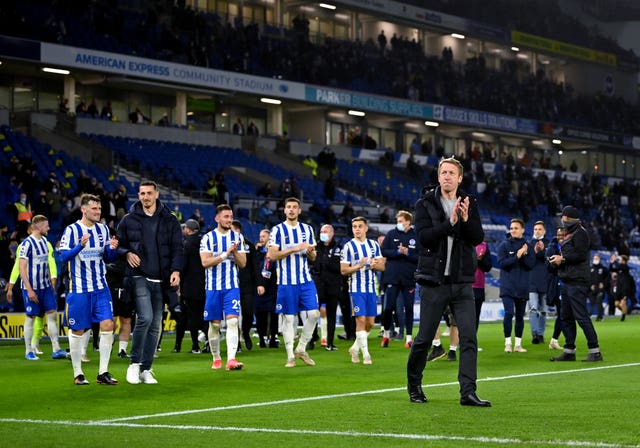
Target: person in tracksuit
{"type": "Point", "coordinates": [400, 249]}
{"type": "Point", "coordinates": [515, 259]}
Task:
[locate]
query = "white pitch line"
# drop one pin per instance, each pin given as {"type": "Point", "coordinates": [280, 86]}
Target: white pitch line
{"type": "Point", "coordinates": [429, 437]}
{"type": "Point", "coordinates": [353, 394]}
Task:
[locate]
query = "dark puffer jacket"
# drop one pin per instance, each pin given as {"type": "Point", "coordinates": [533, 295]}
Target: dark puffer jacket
{"type": "Point", "coordinates": [168, 238]}
{"type": "Point", "coordinates": [433, 227]}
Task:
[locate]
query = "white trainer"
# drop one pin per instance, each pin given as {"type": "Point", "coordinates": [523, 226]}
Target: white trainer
{"type": "Point", "coordinates": [147, 377]}
{"type": "Point", "coordinates": [133, 373]}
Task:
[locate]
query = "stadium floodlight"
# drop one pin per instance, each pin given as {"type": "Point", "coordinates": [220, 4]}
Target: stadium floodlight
{"type": "Point", "coordinates": [515, 49]}
{"type": "Point", "coordinates": [357, 113]}
{"type": "Point", "coordinates": [270, 101]}
{"type": "Point", "coordinates": [458, 36]}
{"type": "Point", "coordinates": [432, 124]}
{"type": "Point", "coordinates": [327, 6]}
{"type": "Point", "coordinates": [57, 71]}
{"type": "Point", "coordinates": [556, 141]}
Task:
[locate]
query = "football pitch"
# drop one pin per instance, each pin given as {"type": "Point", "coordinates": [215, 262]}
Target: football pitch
{"type": "Point", "coordinates": [536, 403]}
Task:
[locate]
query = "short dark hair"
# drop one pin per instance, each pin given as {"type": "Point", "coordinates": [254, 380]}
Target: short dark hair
{"type": "Point", "coordinates": [292, 199]}
{"type": "Point", "coordinates": [539, 223]}
{"type": "Point", "coordinates": [149, 183]}
{"type": "Point", "coordinates": [223, 207]}
{"type": "Point", "coordinates": [86, 198]}
{"type": "Point", "coordinates": [518, 220]}
{"type": "Point", "coordinates": [236, 223]}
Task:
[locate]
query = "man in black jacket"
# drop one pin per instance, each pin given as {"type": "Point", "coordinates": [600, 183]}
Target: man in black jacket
{"type": "Point", "coordinates": [573, 270]}
{"type": "Point", "coordinates": [328, 280]}
{"type": "Point", "coordinates": [400, 248]}
{"type": "Point", "coordinates": [448, 227]}
{"type": "Point", "coordinates": [150, 240]}
{"type": "Point", "coordinates": [192, 283]}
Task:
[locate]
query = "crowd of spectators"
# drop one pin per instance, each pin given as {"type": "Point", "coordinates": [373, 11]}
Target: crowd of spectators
{"type": "Point", "coordinates": [400, 68]}
{"type": "Point", "coordinates": [540, 17]}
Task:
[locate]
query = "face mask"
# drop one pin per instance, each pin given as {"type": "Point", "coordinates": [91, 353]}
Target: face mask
{"type": "Point", "coordinates": [596, 262]}
{"type": "Point", "coordinates": [324, 237]}
{"type": "Point", "coordinates": [400, 227]}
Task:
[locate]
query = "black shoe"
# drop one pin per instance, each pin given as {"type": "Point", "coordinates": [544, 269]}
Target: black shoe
{"type": "Point", "coordinates": [343, 336]}
{"type": "Point", "coordinates": [436, 353]}
{"type": "Point", "coordinates": [535, 339]}
{"type": "Point", "coordinates": [474, 400]}
{"type": "Point", "coordinates": [176, 350]}
{"type": "Point", "coordinates": [248, 343]}
{"type": "Point", "coordinates": [274, 343]}
{"type": "Point", "coordinates": [593, 357]}
{"type": "Point", "coordinates": [416, 395]}
{"type": "Point", "coordinates": [239, 350]}
{"type": "Point", "coordinates": [624, 316]}
{"type": "Point", "coordinates": [262, 343]}
{"type": "Point", "coordinates": [331, 348]}
{"type": "Point", "coordinates": [564, 356]}
{"type": "Point", "coordinates": [106, 378]}
{"type": "Point", "coordinates": [541, 339]}
{"type": "Point", "coordinates": [122, 354]}
{"type": "Point", "coordinates": [195, 351]}
{"type": "Point", "coordinates": [80, 380]}
{"type": "Point", "coordinates": [206, 348]}
{"type": "Point", "coordinates": [311, 345]}
{"type": "Point", "coordinates": [451, 356]}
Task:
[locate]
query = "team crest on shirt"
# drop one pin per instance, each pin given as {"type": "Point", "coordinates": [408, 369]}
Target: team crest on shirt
{"type": "Point", "coordinates": [72, 321]}
{"type": "Point", "coordinates": [356, 309]}
{"type": "Point", "coordinates": [205, 315]}
{"type": "Point", "coordinates": [279, 307]}
{"type": "Point", "coordinates": [29, 309]}
{"type": "Point", "coordinates": [101, 238]}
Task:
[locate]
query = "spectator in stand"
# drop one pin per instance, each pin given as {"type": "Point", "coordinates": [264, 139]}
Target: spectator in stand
{"type": "Point", "coordinates": [197, 217]}
{"type": "Point", "coordinates": [385, 218]}
{"type": "Point", "coordinates": [164, 121]}
{"type": "Point", "coordinates": [252, 130]}
{"type": "Point", "coordinates": [265, 190]}
{"type": "Point", "coordinates": [92, 110]}
{"type": "Point", "coordinates": [515, 258]}
{"type": "Point", "coordinates": [63, 107]}
{"type": "Point", "coordinates": [238, 127]}
{"type": "Point", "coordinates": [81, 108]}
{"type": "Point", "coordinates": [106, 113]}
{"type": "Point", "coordinates": [348, 213]}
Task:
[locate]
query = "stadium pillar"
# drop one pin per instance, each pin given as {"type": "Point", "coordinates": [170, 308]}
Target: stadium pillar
{"type": "Point", "coordinates": [274, 120]}
{"type": "Point", "coordinates": [70, 91]}
{"type": "Point", "coordinates": [181, 109]}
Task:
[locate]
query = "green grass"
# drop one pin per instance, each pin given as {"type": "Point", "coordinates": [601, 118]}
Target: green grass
{"type": "Point", "coordinates": [335, 404]}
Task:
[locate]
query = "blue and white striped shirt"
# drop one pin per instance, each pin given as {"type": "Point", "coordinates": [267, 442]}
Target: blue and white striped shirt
{"type": "Point", "coordinates": [36, 252]}
{"type": "Point", "coordinates": [223, 276]}
{"type": "Point", "coordinates": [87, 268]}
{"type": "Point", "coordinates": [293, 269]}
{"type": "Point", "coordinates": [363, 280]}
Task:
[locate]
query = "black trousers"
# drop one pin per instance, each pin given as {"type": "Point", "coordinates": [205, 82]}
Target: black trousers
{"type": "Point", "coordinates": [479, 296]}
{"type": "Point", "coordinates": [399, 298]}
{"type": "Point", "coordinates": [574, 310]}
{"type": "Point", "coordinates": [246, 305]}
{"type": "Point", "coordinates": [433, 302]}
{"type": "Point", "coordinates": [195, 320]}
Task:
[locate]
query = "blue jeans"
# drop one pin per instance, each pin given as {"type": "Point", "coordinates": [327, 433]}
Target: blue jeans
{"type": "Point", "coordinates": [537, 313]}
{"type": "Point", "coordinates": [146, 333]}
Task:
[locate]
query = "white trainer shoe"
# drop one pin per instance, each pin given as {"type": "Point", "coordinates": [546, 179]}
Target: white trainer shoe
{"type": "Point", "coordinates": [147, 377]}
{"type": "Point", "coordinates": [133, 373]}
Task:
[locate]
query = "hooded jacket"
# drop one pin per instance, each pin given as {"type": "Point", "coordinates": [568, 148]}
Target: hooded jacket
{"type": "Point", "coordinates": [575, 267]}
{"type": "Point", "coordinates": [432, 229]}
{"type": "Point", "coordinates": [168, 238]}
